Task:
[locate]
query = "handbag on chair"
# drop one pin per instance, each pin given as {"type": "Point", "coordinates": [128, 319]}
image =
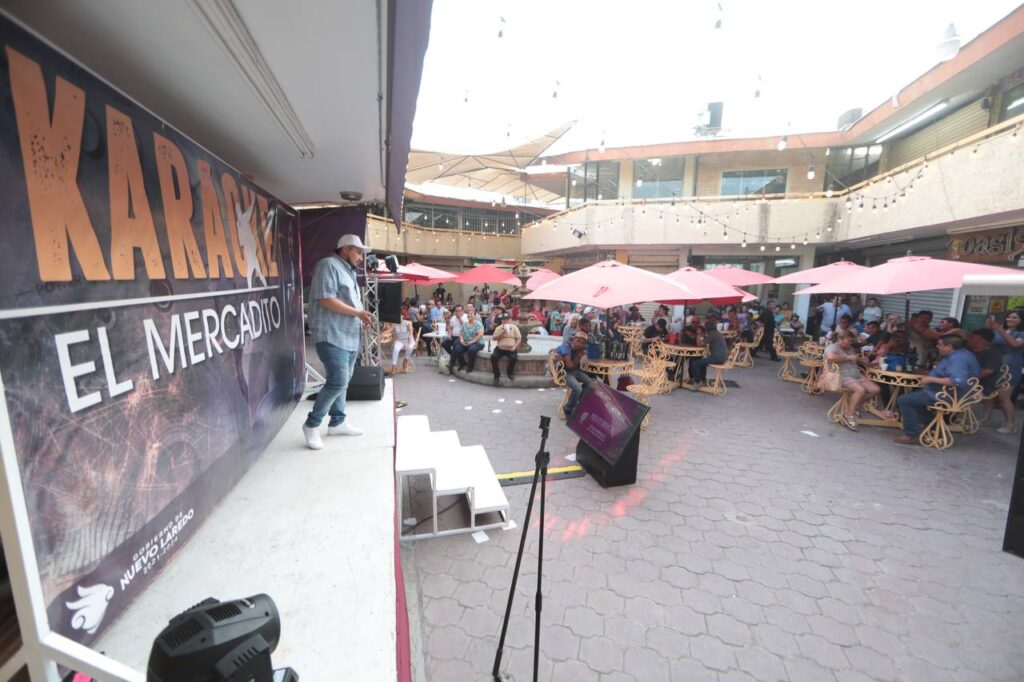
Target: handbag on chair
{"type": "Point", "coordinates": [830, 380]}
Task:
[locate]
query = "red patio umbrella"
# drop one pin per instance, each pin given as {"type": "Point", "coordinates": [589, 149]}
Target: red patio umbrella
{"type": "Point", "coordinates": [820, 274]}
{"type": "Point", "coordinates": [738, 277]}
{"type": "Point", "coordinates": [705, 287]}
{"type": "Point", "coordinates": [488, 274]}
{"type": "Point", "coordinates": [905, 275]}
{"type": "Point", "coordinates": [610, 283]}
{"type": "Point", "coordinates": [541, 277]}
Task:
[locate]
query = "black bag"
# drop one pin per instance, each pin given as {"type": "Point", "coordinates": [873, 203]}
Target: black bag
{"type": "Point", "coordinates": [624, 382]}
{"type": "Point", "coordinates": [367, 383]}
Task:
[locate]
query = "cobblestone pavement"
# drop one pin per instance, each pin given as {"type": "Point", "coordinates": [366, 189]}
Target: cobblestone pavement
{"type": "Point", "coordinates": [747, 550]}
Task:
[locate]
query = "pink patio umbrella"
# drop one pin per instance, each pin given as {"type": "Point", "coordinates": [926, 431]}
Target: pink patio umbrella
{"type": "Point", "coordinates": [488, 274]}
{"type": "Point", "coordinates": [738, 277]}
{"type": "Point", "coordinates": [705, 288]}
{"type": "Point", "coordinates": [820, 274]}
{"type": "Point", "coordinates": [425, 272]}
{"type": "Point", "coordinates": [610, 283]}
{"type": "Point", "coordinates": [905, 275]}
{"type": "Point", "coordinates": [541, 277]}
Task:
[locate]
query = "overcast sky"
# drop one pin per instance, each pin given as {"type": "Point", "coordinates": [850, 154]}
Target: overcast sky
{"type": "Point", "coordinates": [640, 71]}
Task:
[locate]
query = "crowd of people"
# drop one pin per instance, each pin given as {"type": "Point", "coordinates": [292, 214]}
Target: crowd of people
{"type": "Point", "coordinates": [856, 336]}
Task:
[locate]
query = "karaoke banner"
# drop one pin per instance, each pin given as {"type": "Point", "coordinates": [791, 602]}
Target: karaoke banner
{"type": "Point", "coordinates": [150, 328]}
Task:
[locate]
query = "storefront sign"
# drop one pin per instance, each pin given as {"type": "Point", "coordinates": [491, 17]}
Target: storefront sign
{"type": "Point", "coordinates": [1004, 246]}
{"type": "Point", "coordinates": [150, 329]}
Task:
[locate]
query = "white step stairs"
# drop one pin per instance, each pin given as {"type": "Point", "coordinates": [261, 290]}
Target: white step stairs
{"type": "Point", "coordinates": [453, 468]}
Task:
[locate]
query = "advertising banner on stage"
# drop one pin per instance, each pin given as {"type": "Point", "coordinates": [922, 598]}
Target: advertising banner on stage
{"type": "Point", "coordinates": [151, 329]}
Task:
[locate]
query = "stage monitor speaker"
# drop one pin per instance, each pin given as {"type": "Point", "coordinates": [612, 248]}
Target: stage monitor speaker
{"type": "Point", "coordinates": [367, 383]}
{"type": "Point", "coordinates": [1013, 541]}
{"type": "Point", "coordinates": [623, 472]}
{"type": "Point", "coordinates": [389, 300]}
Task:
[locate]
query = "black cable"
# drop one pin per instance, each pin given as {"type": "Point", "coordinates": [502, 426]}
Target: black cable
{"type": "Point", "coordinates": [406, 532]}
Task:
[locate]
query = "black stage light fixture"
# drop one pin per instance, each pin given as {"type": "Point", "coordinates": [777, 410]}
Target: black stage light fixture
{"type": "Point", "coordinates": [371, 262]}
{"type": "Point", "coordinates": [217, 641]}
{"type": "Point", "coordinates": [391, 263]}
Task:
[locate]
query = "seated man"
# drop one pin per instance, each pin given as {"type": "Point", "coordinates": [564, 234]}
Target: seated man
{"type": "Point", "coordinates": [954, 369]}
{"type": "Point", "coordinates": [718, 352]}
{"type": "Point", "coordinates": [452, 345]}
{"type": "Point", "coordinates": [571, 353]}
{"type": "Point", "coordinates": [692, 332]}
{"type": "Point", "coordinates": [469, 342]}
{"type": "Point", "coordinates": [506, 339]}
{"type": "Point", "coordinates": [990, 359]}
{"type": "Point", "coordinates": [658, 331]}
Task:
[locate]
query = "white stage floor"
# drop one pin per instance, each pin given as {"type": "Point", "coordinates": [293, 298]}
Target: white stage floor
{"type": "Point", "coordinates": [315, 531]}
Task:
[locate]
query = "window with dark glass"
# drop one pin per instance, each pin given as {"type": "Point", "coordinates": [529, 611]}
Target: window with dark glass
{"type": "Point", "coordinates": [851, 165]}
{"type": "Point", "coordinates": [750, 182]}
{"type": "Point", "coordinates": [1013, 103]}
{"type": "Point", "coordinates": [658, 178]}
{"type": "Point", "coordinates": [600, 180]}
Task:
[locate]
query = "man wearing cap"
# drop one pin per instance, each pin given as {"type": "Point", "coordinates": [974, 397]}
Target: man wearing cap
{"type": "Point", "coordinates": [335, 318]}
{"type": "Point", "coordinates": [571, 353]}
{"type": "Point", "coordinates": [506, 338]}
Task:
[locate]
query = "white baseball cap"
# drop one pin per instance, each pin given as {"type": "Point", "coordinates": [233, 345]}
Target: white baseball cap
{"type": "Point", "coordinates": [352, 240]}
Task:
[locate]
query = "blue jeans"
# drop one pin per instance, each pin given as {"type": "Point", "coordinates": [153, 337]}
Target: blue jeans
{"type": "Point", "coordinates": [338, 365]}
{"type": "Point", "coordinates": [576, 380]}
{"type": "Point", "coordinates": [913, 409]}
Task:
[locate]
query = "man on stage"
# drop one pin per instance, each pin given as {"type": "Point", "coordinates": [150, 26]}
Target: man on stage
{"type": "Point", "coordinates": [335, 318]}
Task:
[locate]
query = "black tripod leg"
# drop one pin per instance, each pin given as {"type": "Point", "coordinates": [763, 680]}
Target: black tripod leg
{"type": "Point", "coordinates": [545, 421]}
{"type": "Point", "coordinates": [542, 466]}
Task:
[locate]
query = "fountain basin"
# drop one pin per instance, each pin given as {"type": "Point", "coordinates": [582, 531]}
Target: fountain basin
{"type": "Point", "coordinates": [531, 368]}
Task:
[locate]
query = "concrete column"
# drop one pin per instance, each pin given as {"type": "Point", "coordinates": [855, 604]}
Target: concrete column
{"type": "Point", "coordinates": [689, 173]}
{"type": "Point", "coordinates": [626, 179]}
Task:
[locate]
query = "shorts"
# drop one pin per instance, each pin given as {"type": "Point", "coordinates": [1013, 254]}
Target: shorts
{"type": "Point", "coordinates": [847, 383]}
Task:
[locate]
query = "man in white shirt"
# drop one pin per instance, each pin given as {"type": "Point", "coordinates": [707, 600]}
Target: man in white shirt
{"type": "Point", "coordinates": [872, 311]}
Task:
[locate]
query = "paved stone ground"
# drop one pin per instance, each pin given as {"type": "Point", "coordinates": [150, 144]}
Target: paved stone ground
{"type": "Point", "coordinates": [747, 550]}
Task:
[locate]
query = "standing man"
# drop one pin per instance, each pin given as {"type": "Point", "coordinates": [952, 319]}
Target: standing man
{"type": "Point", "coordinates": [336, 316]}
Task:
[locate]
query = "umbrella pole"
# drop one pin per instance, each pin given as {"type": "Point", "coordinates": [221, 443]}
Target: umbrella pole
{"type": "Point", "coordinates": [906, 310]}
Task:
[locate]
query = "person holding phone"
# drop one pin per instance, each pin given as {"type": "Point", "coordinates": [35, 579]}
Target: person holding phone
{"type": "Point", "coordinates": [506, 338]}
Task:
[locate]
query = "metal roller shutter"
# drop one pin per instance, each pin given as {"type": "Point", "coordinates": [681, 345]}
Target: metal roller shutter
{"type": "Point", "coordinates": [939, 302]}
{"type": "Point", "coordinates": [963, 122]}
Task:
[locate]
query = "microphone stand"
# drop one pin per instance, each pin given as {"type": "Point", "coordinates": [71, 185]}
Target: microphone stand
{"type": "Point", "coordinates": [540, 471]}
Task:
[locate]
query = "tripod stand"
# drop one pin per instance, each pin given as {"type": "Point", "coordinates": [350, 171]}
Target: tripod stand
{"type": "Point", "coordinates": [540, 470]}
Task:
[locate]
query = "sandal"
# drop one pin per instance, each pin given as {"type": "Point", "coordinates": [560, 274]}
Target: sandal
{"type": "Point", "coordinates": [905, 440]}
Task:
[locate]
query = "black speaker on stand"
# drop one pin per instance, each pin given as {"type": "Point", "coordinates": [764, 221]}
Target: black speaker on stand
{"type": "Point", "coordinates": [389, 301]}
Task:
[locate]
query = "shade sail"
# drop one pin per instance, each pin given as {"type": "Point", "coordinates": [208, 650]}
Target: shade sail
{"type": "Point", "coordinates": [501, 172]}
{"type": "Point", "coordinates": [488, 274]}
{"type": "Point", "coordinates": [738, 277]}
{"type": "Point", "coordinates": [540, 278]}
{"type": "Point", "coordinates": [610, 283]}
{"type": "Point", "coordinates": [905, 275]}
{"type": "Point", "coordinates": [704, 287]}
{"type": "Point", "coordinates": [820, 274]}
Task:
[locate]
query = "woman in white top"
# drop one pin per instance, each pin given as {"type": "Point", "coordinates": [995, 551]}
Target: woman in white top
{"type": "Point", "coordinates": [404, 338]}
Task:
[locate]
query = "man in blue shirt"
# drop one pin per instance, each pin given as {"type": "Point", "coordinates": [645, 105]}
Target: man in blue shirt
{"type": "Point", "coordinates": [571, 353]}
{"type": "Point", "coordinates": [954, 369]}
{"type": "Point", "coordinates": [336, 316]}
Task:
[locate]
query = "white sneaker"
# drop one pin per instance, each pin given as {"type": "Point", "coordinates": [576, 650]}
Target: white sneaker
{"type": "Point", "coordinates": [313, 439]}
{"type": "Point", "coordinates": [344, 429]}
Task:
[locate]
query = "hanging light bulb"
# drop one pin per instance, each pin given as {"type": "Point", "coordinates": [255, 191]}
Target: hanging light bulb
{"type": "Point", "coordinates": [762, 247]}
{"type": "Point", "coordinates": [839, 218]}
{"type": "Point", "coordinates": [639, 182]}
{"type": "Point", "coordinates": [574, 182]}
{"type": "Point", "coordinates": [810, 172]}
{"type": "Point", "coordinates": [828, 151]}
{"type": "Point", "coordinates": [885, 205]}
{"type": "Point", "coordinates": [440, 166]}
{"type": "Point", "coordinates": [554, 95]}
{"type": "Point", "coordinates": [828, 193]}
{"type": "Point", "coordinates": [782, 142]}
{"type": "Point", "coordinates": [465, 97]}
{"type": "Point", "coordinates": [600, 197]}
{"type": "Point", "coordinates": [743, 244]}
{"type": "Point", "coordinates": [501, 27]}
{"type": "Point", "coordinates": [874, 205]}
{"type": "Point", "coordinates": [849, 203]}
{"type": "Point", "coordinates": [600, 147]}
{"type": "Point", "coordinates": [691, 220]}
{"type": "Point", "coordinates": [778, 248]}
{"type": "Point", "coordinates": [817, 235]}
